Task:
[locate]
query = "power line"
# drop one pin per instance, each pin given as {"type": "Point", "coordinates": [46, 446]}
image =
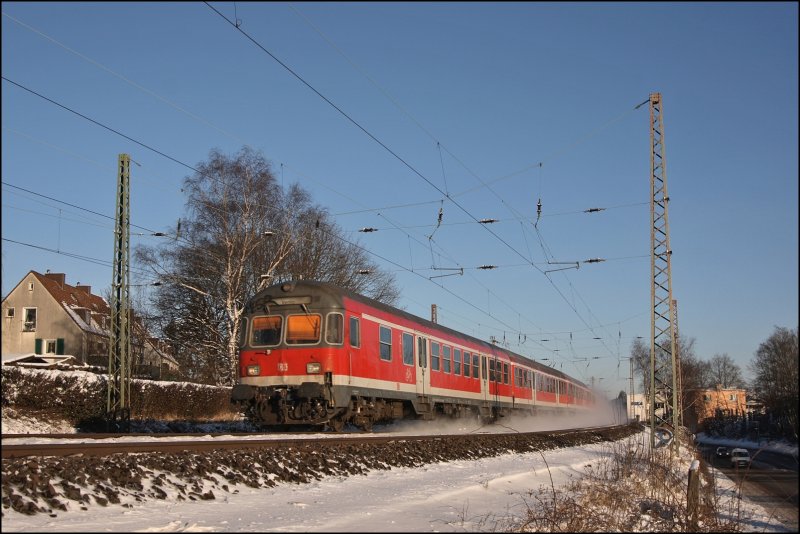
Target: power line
{"type": "Point", "coordinates": [62, 106]}
{"type": "Point", "coordinates": [385, 147]}
{"type": "Point", "coordinates": [71, 205]}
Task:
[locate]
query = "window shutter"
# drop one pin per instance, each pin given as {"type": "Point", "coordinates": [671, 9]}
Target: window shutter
{"type": "Point", "coordinates": [38, 346]}
{"type": "Point", "coordinates": [60, 345]}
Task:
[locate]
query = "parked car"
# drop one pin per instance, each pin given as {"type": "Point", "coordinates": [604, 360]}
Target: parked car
{"type": "Point", "coordinates": [723, 452]}
{"type": "Point", "coordinates": [740, 458]}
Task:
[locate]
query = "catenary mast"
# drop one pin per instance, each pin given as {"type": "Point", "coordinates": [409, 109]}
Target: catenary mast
{"type": "Point", "coordinates": [663, 394]}
{"type": "Point", "coordinates": [118, 408]}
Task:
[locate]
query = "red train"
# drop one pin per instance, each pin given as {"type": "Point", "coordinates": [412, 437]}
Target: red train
{"type": "Point", "coordinates": [315, 354]}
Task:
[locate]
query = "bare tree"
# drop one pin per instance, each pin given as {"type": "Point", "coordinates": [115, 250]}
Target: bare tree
{"type": "Point", "coordinates": [725, 372]}
{"type": "Point", "coordinates": [243, 229]}
{"type": "Point", "coordinates": [775, 367]}
{"type": "Point", "coordinates": [695, 373]}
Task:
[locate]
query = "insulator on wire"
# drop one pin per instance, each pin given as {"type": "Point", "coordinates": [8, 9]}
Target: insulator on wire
{"type": "Point", "coordinates": [368, 229]}
{"type": "Point", "coordinates": [487, 221]}
{"type": "Point", "coordinates": [487, 267]}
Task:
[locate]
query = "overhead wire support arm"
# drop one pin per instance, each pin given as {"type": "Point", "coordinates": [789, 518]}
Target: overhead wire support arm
{"type": "Point", "coordinates": [460, 271]}
{"type": "Point", "coordinates": [574, 265]}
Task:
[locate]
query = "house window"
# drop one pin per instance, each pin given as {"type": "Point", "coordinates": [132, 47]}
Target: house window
{"type": "Point", "coordinates": [732, 396]}
{"type": "Point", "coordinates": [10, 313]}
{"type": "Point", "coordinates": [50, 346]}
{"type": "Point", "coordinates": [30, 320]}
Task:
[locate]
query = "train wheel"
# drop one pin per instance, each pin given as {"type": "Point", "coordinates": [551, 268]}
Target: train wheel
{"type": "Point", "coordinates": [336, 424]}
{"type": "Point", "coordinates": [364, 423]}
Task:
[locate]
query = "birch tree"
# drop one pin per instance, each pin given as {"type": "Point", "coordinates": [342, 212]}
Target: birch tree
{"type": "Point", "coordinates": [242, 231]}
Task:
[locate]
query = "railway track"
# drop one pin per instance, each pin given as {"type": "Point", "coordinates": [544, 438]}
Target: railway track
{"type": "Point", "coordinates": [107, 444]}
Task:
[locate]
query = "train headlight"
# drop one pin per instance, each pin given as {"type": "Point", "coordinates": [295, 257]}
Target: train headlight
{"type": "Point", "coordinates": [313, 368]}
{"type": "Point", "coordinates": [253, 370]}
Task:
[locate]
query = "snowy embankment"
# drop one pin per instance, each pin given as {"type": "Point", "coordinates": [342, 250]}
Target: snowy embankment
{"type": "Point", "coordinates": [356, 493]}
{"type": "Point", "coordinates": [614, 485]}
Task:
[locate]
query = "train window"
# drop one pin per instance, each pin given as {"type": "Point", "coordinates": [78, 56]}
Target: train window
{"type": "Point", "coordinates": [266, 331]}
{"type": "Point", "coordinates": [385, 343]}
{"type": "Point", "coordinates": [505, 373]}
{"type": "Point", "coordinates": [492, 377]}
{"type": "Point", "coordinates": [422, 351]}
{"type": "Point", "coordinates": [475, 366]}
{"type": "Point", "coordinates": [334, 331]}
{"type": "Point", "coordinates": [483, 368]}
{"type": "Point", "coordinates": [466, 363]}
{"type": "Point", "coordinates": [408, 349]}
{"type": "Point", "coordinates": [434, 356]}
{"type": "Point", "coordinates": [303, 329]}
{"type": "Point", "coordinates": [355, 333]}
{"type": "Point", "coordinates": [456, 361]}
{"type": "Point", "coordinates": [445, 358]}
{"type": "Point", "coordinates": [241, 338]}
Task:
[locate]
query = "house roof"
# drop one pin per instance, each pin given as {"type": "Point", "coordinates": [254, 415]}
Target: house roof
{"type": "Point", "coordinates": [73, 297]}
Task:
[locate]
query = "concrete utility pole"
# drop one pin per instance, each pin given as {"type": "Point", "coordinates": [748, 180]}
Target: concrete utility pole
{"type": "Point", "coordinates": [118, 407]}
{"type": "Point", "coordinates": [663, 370]}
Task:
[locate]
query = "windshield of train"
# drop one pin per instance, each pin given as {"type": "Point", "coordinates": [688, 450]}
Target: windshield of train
{"type": "Point", "coordinates": [303, 329]}
{"type": "Point", "coordinates": [266, 331]}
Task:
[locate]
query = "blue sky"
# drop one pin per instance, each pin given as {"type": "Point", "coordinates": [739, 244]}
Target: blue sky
{"type": "Point", "coordinates": [534, 99]}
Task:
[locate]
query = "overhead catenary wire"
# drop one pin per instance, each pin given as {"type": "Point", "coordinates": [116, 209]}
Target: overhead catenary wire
{"type": "Point", "coordinates": [409, 238]}
{"type": "Point", "coordinates": [438, 143]}
{"type": "Point", "coordinates": [383, 145]}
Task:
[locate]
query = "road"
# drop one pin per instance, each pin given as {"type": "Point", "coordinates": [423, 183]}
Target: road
{"type": "Point", "coordinates": [770, 481]}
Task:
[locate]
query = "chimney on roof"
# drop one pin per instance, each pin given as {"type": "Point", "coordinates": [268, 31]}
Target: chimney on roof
{"type": "Point", "coordinates": [85, 289]}
{"type": "Point", "coordinates": [60, 278]}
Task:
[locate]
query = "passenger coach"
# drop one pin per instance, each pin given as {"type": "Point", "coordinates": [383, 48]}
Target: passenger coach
{"type": "Point", "coordinates": [315, 354]}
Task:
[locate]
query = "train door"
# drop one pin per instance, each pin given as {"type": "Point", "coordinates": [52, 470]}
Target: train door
{"type": "Point", "coordinates": [423, 376]}
{"type": "Point", "coordinates": [354, 345]}
{"type": "Point", "coordinates": [484, 378]}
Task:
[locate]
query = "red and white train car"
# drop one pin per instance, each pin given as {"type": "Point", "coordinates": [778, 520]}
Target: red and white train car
{"type": "Point", "coordinates": [315, 354]}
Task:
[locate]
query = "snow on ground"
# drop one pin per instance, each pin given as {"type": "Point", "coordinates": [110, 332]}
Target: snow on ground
{"type": "Point", "coordinates": [456, 496]}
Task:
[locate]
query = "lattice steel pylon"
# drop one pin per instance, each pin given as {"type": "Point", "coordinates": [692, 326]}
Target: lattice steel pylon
{"type": "Point", "coordinates": [663, 372]}
{"type": "Point", "coordinates": [119, 364]}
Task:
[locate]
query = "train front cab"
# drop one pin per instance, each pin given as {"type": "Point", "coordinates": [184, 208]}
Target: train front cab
{"type": "Point", "coordinates": [291, 348]}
